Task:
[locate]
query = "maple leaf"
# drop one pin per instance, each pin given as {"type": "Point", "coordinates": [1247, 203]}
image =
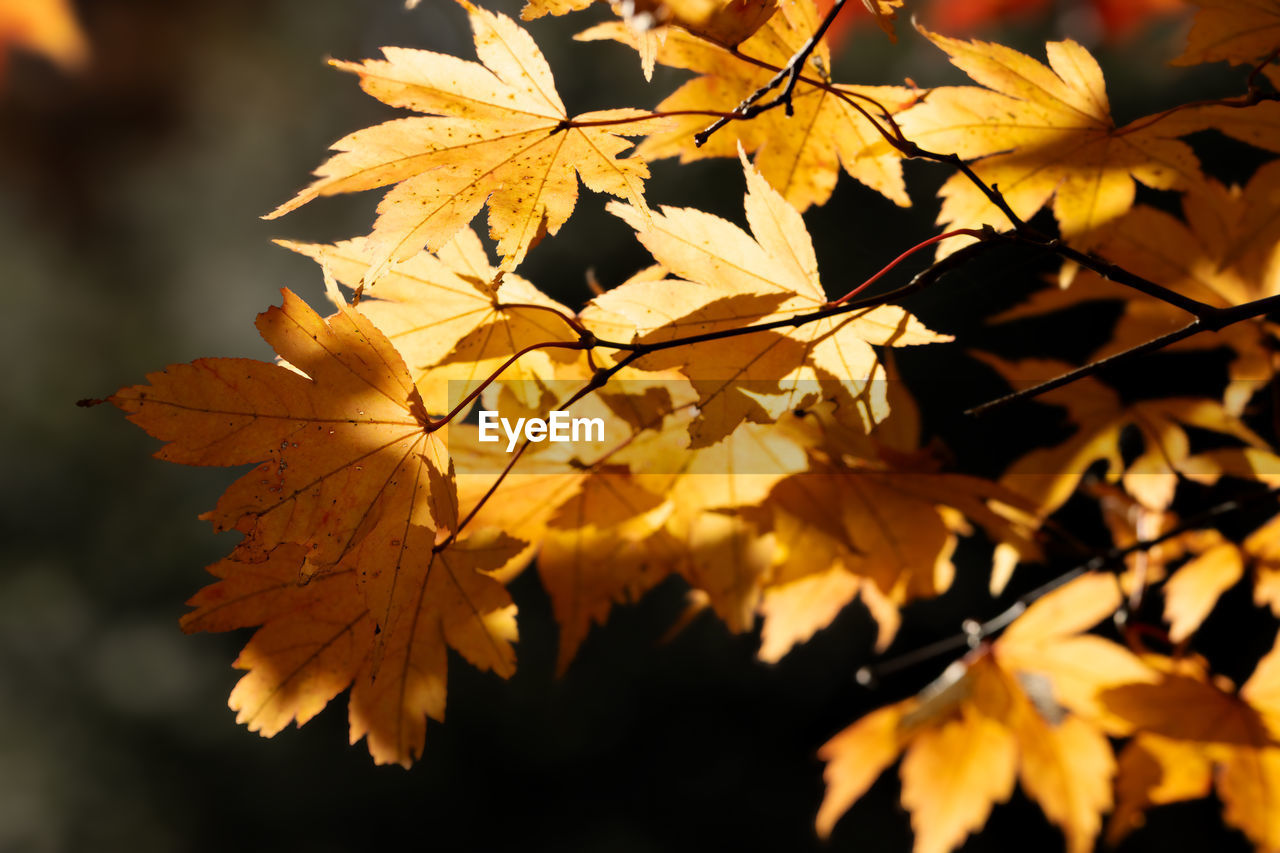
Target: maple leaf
{"type": "Point", "coordinates": [606, 544]}
{"type": "Point", "coordinates": [356, 483]}
{"type": "Point", "coordinates": [1041, 134]}
{"type": "Point", "coordinates": [1236, 31]}
{"type": "Point", "coordinates": [48, 27]}
{"type": "Point", "coordinates": [734, 279]}
{"type": "Point", "coordinates": [495, 133]}
{"type": "Point", "coordinates": [880, 524]}
{"type": "Point", "coordinates": [799, 155]}
{"type": "Point", "coordinates": [427, 599]}
{"type": "Point", "coordinates": [316, 634]}
{"type": "Point", "coordinates": [1048, 476]}
{"type": "Point", "coordinates": [607, 531]}
{"type": "Point", "coordinates": [1190, 724]}
{"type": "Point", "coordinates": [339, 442]}
{"type": "Point", "coordinates": [1024, 706]}
{"type": "Point", "coordinates": [868, 524]}
{"type": "Point", "coordinates": [453, 325]}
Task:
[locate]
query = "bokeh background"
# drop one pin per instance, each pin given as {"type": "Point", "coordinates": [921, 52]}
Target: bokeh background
{"type": "Point", "coordinates": [130, 238]}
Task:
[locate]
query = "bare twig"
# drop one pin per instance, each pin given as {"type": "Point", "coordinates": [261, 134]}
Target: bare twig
{"type": "Point", "coordinates": [787, 77]}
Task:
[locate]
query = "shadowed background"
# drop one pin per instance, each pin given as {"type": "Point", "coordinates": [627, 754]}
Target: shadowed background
{"type": "Point", "coordinates": [130, 238]}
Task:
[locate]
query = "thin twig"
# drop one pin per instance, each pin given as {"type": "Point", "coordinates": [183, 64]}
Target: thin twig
{"type": "Point", "coordinates": [1211, 320]}
{"type": "Point", "coordinates": [790, 73]}
{"type": "Point", "coordinates": [975, 632]}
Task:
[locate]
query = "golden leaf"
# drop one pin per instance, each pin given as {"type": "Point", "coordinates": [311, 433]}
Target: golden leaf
{"type": "Point", "coordinates": [494, 133]}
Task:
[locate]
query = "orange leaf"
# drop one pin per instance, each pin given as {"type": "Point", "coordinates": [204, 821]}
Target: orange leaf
{"type": "Point", "coordinates": [735, 279]}
{"type": "Point", "coordinates": [801, 155]}
{"type": "Point", "coordinates": [952, 776]}
{"type": "Point", "coordinates": [495, 133]}
{"type": "Point", "coordinates": [1237, 31]}
{"type": "Point", "coordinates": [338, 441]}
{"type": "Point", "coordinates": [317, 633]}
{"type": "Point", "coordinates": [1041, 133]}
{"type": "Point", "coordinates": [1025, 704]}
{"type": "Point", "coordinates": [448, 317]}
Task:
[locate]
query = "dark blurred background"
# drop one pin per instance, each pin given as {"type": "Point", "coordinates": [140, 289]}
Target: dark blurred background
{"type": "Point", "coordinates": [130, 238]}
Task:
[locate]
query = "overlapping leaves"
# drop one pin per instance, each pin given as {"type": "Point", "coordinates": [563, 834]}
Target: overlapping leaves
{"type": "Point", "coordinates": [781, 471]}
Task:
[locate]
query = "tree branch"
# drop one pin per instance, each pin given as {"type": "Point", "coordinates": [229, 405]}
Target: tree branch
{"type": "Point", "coordinates": [974, 632]}
{"type": "Point", "coordinates": [790, 73]}
{"type": "Point", "coordinates": [1210, 320]}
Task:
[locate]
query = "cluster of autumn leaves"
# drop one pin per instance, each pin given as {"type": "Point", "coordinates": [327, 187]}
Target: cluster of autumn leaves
{"type": "Point", "coordinates": [759, 445]}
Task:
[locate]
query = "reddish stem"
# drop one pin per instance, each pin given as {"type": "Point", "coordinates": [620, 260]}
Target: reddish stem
{"type": "Point", "coordinates": [958, 232]}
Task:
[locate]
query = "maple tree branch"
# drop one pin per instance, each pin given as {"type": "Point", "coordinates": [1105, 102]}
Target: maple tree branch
{"type": "Point", "coordinates": [1212, 320]}
{"type": "Point", "coordinates": [790, 73]}
{"type": "Point", "coordinates": [911, 150]}
{"type": "Point", "coordinates": [973, 632]}
{"type": "Point", "coordinates": [921, 280]}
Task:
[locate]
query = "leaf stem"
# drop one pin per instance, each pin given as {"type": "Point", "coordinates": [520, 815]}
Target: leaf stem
{"type": "Point", "coordinates": [958, 232]}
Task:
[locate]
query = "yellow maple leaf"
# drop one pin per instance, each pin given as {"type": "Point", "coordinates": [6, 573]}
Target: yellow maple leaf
{"type": "Point", "coordinates": [1193, 729]}
{"type": "Point", "coordinates": [452, 324]}
{"type": "Point", "coordinates": [607, 529]}
{"type": "Point", "coordinates": [734, 279]}
{"type": "Point", "coordinates": [353, 494]}
{"type": "Point", "coordinates": [495, 133]}
{"type": "Point", "coordinates": [340, 443]}
{"type": "Point", "coordinates": [1023, 707]}
{"type": "Point", "coordinates": [316, 635]}
{"type": "Point", "coordinates": [799, 155]}
{"type": "Point", "coordinates": [1048, 476]}
{"type": "Point", "coordinates": [427, 599]}
{"type": "Point", "coordinates": [1236, 31]}
{"type": "Point", "coordinates": [1041, 134]}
